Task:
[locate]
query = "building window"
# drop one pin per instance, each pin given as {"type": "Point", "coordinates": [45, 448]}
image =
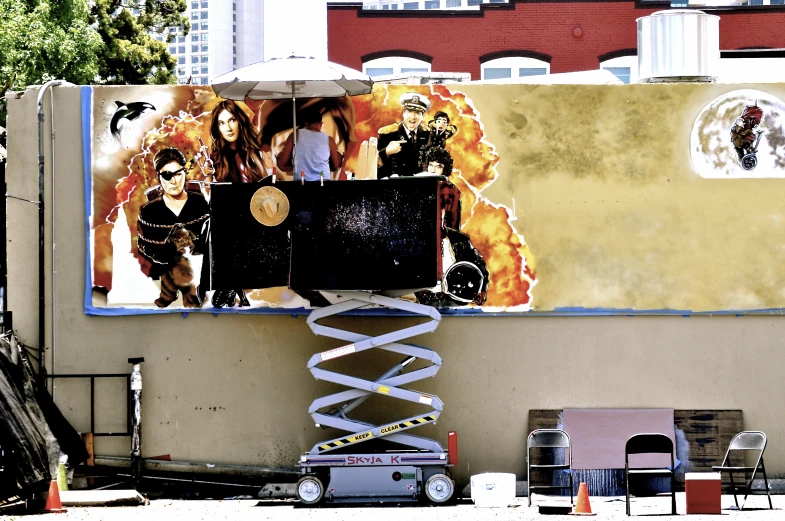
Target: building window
{"type": "Point", "coordinates": [513, 67]}
{"type": "Point", "coordinates": [234, 60]}
{"type": "Point", "coordinates": [497, 1]}
{"type": "Point", "coordinates": [204, 4]}
{"type": "Point", "coordinates": [181, 49]}
{"type": "Point", "coordinates": [180, 39]}
{"type": "Point", "coordinates": [181, 60]}
{"type": "Point", "coordinates": [204, 58]}
{"type": "Point", "coordinates": [453, 3]}
{"type": "Point", "coordinates": [194, 16]}
{"type": "Point", "coordinates": [432, 4]}
{"type": "Point", "coordinates": [195, 26]}
{"type": "Point", "coordinates": [204, 26]}
{"type": "Point", "coordinates": [194, 37]}
{"type": "Point", "coordinates": [384, 7]}
{"type": "Point", "coordinates": [623, 73]}
{"type": "Point", "coordinates": [234, 17]}
{"type": "Point", "coordinates": [194, 48]}
{"type": "Point", "coordinates": [203, 15]}
{"type": "Point", "coordinates": [393, 7]}
{"type": "Point", "coordinates": [234, 50]}
{"type": "Point", "coordinates": [181, 71]}
{"type": "Point", "coordinates": [194, 70]}
{"type": "Point", "coordinates": [531, 71]}
{"type": "Point", "coordinates": [234, 6]}
{"type": "Point", "coordinates": [624, 67]}
{"type": "Point", "coordinates": [395, 65]}
{"type": "Point", "coordinates": [204, 47]}
{"type": "Point", "coordinates": [496, 73]}
{"type": "Point", "coordinates": [204, 81]}
{"type": "Point", "coordinates": [378, 71]}
{"type": "Point", "coordinates": [234, 38]}
{"type": "Point", "coordinates": [204, 69]}
{"type": "Point", "coordinates": [204, 37]}
{"type": "Point", "coordinates": [474, 2]}
{"type": "Point", "coordinates": [234, 28]}
{"type": "Point", "coordinates": [172, 49]}
{"type": "Point", "coordinates": [411, 5]}
{"type": "Point", "coordinates": [194, 5]}
{"type": "Point", "coordinates": [194, 58]}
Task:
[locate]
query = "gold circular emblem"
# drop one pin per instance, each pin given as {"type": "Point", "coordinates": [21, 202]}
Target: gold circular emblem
{"type": "Point", "coordinates": [269, 206]}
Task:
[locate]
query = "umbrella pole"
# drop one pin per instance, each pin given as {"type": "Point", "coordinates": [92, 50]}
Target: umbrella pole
{"type": "Point", "coordinates": [294, 133]}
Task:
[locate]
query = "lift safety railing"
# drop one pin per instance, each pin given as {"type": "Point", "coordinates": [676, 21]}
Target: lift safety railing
{"type": "Point", "coordinates": [92, 377]}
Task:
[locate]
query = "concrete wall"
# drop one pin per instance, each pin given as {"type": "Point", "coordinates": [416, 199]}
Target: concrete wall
{"type": "Point", "coordinates": [235, 389]}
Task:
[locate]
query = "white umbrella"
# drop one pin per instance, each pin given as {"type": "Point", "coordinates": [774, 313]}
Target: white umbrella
{"type": "Point", "coordinates": [291, 78]}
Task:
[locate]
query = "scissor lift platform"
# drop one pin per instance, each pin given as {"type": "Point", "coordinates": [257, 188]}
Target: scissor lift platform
{"type": "Point", "coordinates": [421, 469]}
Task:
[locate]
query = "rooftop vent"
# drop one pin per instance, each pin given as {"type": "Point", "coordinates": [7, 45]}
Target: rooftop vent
{"type": "Point", "coordinates": [679, 45]}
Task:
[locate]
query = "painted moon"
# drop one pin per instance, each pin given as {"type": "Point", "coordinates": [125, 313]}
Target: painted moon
{"type": "Point", "coordinates": [711, 150]}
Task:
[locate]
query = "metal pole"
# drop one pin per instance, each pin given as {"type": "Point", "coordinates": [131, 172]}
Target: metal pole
{"type": "Point", "coordinates": [294, 132]}
{"type": "Point", "coordinates": [136, 421]}
{"type": "Point", "coordinates": [41, 231]}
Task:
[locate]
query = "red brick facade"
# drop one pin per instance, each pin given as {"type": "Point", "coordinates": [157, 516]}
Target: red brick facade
{"type": "Point", "coordinates": [456, 40]}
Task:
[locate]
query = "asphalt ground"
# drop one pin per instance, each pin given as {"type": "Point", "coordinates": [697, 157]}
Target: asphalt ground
{"type": "Point", "coordinates": [463, 510]}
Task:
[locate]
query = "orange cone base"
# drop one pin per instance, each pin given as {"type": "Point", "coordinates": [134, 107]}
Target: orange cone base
{"type": "Point", "coordinates": [583, 507]}
{"type": "Point", "coordinates": [53, 503]}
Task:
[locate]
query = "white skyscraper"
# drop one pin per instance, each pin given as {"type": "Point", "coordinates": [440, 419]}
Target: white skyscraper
{"type": "Point", "coordinates": [227, 34]}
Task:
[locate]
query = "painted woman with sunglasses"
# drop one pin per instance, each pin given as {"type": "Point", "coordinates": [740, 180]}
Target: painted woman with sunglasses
{"type": "Point", "coordinates": [171, 228]}
{"type": "Point", "coordinates": [235, 151]}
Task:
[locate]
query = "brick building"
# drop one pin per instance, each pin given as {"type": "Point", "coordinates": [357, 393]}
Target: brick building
{"type": "Point", "coordinates": [527, 37]}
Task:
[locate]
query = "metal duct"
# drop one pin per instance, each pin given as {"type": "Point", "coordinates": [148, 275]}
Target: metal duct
{"type": "Point", "coordinates": [678, 45]}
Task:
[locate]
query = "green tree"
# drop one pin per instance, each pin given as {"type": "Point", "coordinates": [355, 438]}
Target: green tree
{"type": "Point", "coordinates": [129, 55]}
{"type": "Point", "coordinates": [86, 42]}
{"type": "Point", "coordinates": [41, 40]}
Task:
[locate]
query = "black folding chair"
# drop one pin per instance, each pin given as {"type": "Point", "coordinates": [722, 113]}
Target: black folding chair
{"type": "Point", "coordinates": [649, 443]}
{"type": "Point", "coordinates": [553, 439]}
{"type": "Point", "coordinates": [742, 442]}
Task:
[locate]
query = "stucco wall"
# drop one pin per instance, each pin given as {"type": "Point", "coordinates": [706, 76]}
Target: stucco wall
{"type": "Point", "coordinates": [235, 389]}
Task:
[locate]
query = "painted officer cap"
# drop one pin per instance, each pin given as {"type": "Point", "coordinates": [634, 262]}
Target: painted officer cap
{"type": "Point", "coordinates": [415, 101]}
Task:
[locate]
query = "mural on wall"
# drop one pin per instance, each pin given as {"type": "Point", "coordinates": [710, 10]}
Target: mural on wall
{"type": "Point", "coordinates": [740, 135]}
{"type": "Point", "coordinates": [556, 199]}
{"type": "Point", "coordinates": [155, 161]}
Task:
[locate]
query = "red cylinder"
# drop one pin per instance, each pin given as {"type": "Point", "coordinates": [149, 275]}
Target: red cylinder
{"type": "Point", "coordinates": [452, 448]}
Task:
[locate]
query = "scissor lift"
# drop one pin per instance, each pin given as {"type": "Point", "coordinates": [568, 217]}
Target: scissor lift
{"type": "Point", "coordinates": [420, 470]}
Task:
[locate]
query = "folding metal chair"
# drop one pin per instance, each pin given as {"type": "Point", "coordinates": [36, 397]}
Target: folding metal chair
{"type": "Point", "coordinates": [553, 439]}
{"type": "Point", "coordinates": [649, 443]}
{"type": "Point", "coordinates": [745, 441]}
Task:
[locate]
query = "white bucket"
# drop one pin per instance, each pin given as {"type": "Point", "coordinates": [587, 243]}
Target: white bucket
{"type": "Point", "coordinates": [493, 490]}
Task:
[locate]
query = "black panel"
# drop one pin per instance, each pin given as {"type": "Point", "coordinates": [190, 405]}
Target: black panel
{"type": "Point", "coordinates": [370, 235]}
{"type": "Point", "coordinates": [244, 253]}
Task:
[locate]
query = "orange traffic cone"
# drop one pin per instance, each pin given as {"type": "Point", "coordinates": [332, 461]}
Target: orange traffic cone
{"type": "Point", "coordinates": [583, 507]}
{"type": "Point", "coordinates": [53, 503]}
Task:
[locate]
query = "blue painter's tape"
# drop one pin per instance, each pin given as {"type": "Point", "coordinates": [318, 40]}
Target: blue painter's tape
{"type": "Point", "coordinates": [87, 120]}
{"type": "Point", "coordinates": [457, 312]}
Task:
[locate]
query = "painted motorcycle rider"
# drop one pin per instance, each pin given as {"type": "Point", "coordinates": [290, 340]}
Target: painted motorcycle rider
{"type": "Point", "coordinates": [745, 135]}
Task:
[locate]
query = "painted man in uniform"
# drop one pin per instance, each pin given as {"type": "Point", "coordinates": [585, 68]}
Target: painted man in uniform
{"type": "Point", "coordinates": [401, 145]}
{"type": "Point", "coordinates": [440, 130]}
